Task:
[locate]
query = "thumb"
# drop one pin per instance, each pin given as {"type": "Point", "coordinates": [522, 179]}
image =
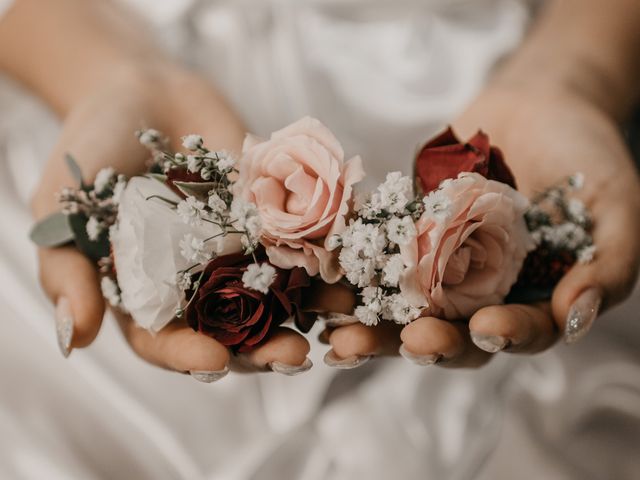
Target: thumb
{"type": "Point", "coordinates": [608, 279]}
{"type": "Point", "coordinates": [72, 284]}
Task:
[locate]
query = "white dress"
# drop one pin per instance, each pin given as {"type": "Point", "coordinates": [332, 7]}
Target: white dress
{"type": "Point", "coordinates": [365, 68]}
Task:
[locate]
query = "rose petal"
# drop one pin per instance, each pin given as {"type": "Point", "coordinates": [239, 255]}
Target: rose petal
{"type": "Point", "coordinates": [250, 141]}
{"type": "Point", "coordinates": [287, 257]}
{"type": "Point", "coordinates": [268, 193]}
{"type": "Point", "coordinates": [310, 127]}
{"type": "Point", "coordinates": [445, 157]}
{"type": "Point", "coordinates": [472, 257]}
{"type": "Point", "coordinates": [304, 193]}
{"type": "Point", "coordinates": [457, 266]}
{"type": "Point", "coordinates": [353, 173]}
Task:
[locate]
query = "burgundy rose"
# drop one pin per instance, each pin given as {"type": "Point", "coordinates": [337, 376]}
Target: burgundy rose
{"type": "Point", "coordinates": [181, 174]}
{"type": "Point", "coordinates": [239, 317]}
{"type": "Point", "coordinates": [445, 157]}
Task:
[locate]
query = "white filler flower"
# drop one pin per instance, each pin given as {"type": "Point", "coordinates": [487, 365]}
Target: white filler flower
{"type": "Point", "coordinates": [226, 162]}
{"type": "Point", "coordinates": [94, 229]}
{"type": "Point", "coordinates": [103, 179]}
{"type": "Point", "coordinates": [259, 277]}
{"type": "Point", "coordinates": [192, 142]}
{"type": "Point", "coordinates": [191, 211]}
{"type": "Point", "coordinates": [392, 270]}
{"type": "Point", "coordinates": [401, 230]}
{"type": "Point", "coordinates": [194, 163]}
{"type": "Point", "coordinates": [193, 249]}
{"type": "Point", "coordinates": [216, 204]}
{"type": "Point", "coordinates": [110, 291]}
{"type": "Point", "coordinates": [394, 194]}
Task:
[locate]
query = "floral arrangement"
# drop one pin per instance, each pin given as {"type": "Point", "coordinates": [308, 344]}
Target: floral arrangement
{"type": "Point", "coordinates": [462, 243]}
{"type": "Point", "coordinates": [230, 245]}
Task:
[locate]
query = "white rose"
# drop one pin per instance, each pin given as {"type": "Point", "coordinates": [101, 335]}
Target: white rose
{"type": "Point", "coordinates": [146, 250]}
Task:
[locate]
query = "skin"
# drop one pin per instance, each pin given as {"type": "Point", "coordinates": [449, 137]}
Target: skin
{"type": "Point", "coordinates": [105, 79]}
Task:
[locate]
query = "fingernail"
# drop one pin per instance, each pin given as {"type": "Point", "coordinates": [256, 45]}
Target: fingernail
{"type": "Point", "coordinates": [582, 314]}
{"type": "Point", "coordinates": [339, 319]}
{"type": "Point", "coordinates": [422, 360]}
{"type": "Point", "coordinates": [490, 343]}
{"type": "Point", "coordinates": [355, 361]}
{"type": "Point", "coordinates": [64, 326]}
{"type": "Point", "coordinates": [290, 370]}
{"type": "Point", "coordinates": [205, 376]}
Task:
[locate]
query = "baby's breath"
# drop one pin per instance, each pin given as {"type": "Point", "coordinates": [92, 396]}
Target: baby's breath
{"type": "Point", "coordinates": [217, 206]}
{"type": "Point", "coordinates": [560, 223]}
{"type": "Point", "coordinates": [259, 277]}
{"type": "Point", "coordinates": [369, 249]}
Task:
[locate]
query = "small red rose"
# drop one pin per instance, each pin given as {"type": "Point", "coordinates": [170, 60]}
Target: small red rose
{"type": "Point", "coordinates": [181, 174]}
{"type": "Point", "coordinates": [240, 317]}
{"type": "Point", "coordinates": [445, 157]}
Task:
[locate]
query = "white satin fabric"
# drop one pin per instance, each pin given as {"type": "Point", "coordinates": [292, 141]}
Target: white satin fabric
{"type": "Point", "coordinates": [4, 5]}
{"type": "Point", "coordinates": [366, 68]}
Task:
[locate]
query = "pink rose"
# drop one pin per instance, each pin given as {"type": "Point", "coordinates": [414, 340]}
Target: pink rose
{"type": "Point", "coordinates": [302, 186]}
{"type": "Point", "coordinates": [472, 241]}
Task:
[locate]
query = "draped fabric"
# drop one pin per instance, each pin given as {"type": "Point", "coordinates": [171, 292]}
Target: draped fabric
{"type": "Point", "coordinates": [4, 5]}
{"type": "Point", "coordinates": [384, 76]}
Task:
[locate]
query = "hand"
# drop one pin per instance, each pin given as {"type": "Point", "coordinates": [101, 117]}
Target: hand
{"type": "Point", "coordinates": [546, 135]}
{"type": "Point", "coordinates": [99, 132]}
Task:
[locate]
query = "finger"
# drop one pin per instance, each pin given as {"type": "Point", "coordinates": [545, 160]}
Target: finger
{"type": "Point", "coordinates": [203, 112]}
{"type": "Point", "coordinates": [353, 345]}
{"type": "Point", "coordinates": [177, 347]}
{"type": "Point", "coordinates": [324, 335]}
{"type": "Point", "coordinates": [608, 279]}
{"type": "Point", "coordinates": [429, 340]}
{"type": "Point", "coordinates": [72, 284]}
{"type": "Point", "coordinates": [513, 328]}
{"type": "Point", "coordinates": [284, 352]}
{"type": "Point", "coordinates": [92, 149]}
{"type": "Point", "coordinates": [323, 297]}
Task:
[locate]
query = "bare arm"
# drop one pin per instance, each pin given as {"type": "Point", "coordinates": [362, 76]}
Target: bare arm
{"type": "Point", "coordinates": [62, 49]}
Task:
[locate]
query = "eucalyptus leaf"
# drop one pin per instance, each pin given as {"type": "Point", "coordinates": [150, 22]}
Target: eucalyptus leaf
{"type": "Point", "coordinates": [95, 250]}
{"type": "Point", "coordinates": [158, 176]}
{"type": "Point", "coordinates": [52, 231]}
{"type": "Point", "coordinates": [76, 172]}
{"type": "Point", "coordinates": [200, 190]}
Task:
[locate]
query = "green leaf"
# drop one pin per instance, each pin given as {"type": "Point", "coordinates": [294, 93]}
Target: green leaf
{"type": "Point", "coordinates": [200, 190]}
{"type": "Point", "coordinates": [76, 172]}
{"type": "Point", "coordinates": [95, 250]}
{"type": "Point", "coordinates": [158, 176]}
{"type": "Point", "coordinates": [52, 231]}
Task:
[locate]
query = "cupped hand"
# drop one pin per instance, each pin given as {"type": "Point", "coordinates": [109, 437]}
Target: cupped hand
{"type": "Point", "coordinates": [546, 136]}
{"type": "Point", "coordinates": [99, 132]}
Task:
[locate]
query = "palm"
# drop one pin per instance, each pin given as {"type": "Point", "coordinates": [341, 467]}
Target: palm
{"type": "Point", "coordinates": [99, 133]}
{"type": "Point", "coordinates": [544, 141]}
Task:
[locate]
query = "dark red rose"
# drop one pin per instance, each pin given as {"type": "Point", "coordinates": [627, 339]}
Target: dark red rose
{"type": "Point", "coordinates": [239, 317]}
{"type": "Point", "coordinates": [445, 157]}
{"type": "Point", "coordinates": [181, 174]}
